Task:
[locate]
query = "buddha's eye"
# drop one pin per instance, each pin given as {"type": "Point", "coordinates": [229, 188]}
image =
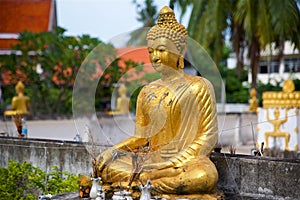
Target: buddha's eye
{"type": "Point", "coordinates": [150, 50]}
{"type": "Point", "coordinates": [161, 49]}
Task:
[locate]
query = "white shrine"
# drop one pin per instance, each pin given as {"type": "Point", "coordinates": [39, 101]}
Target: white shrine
{"type": "Point", "coordinates": [279, 119]}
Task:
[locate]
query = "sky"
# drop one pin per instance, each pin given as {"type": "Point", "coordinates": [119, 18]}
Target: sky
{"type": "Point", "coordinates": [103, 19]}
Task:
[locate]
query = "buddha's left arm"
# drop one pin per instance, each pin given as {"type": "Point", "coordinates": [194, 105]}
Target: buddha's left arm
{"type": "Point", "coordinates": [28, 103]}
{"type": "Point", "coordinates": [13, 104]}
{"type": "Point", "coordinates": [207, 133]}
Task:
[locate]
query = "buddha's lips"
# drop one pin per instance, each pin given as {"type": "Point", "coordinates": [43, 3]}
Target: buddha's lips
{"type": "Point", "coordinates": [156, 65]}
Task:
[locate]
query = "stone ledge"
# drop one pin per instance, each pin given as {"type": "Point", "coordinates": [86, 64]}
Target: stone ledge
{"type": "Point", "coordinates": [257, 177]}
{"type": "Point", "coordinates": [240, 176]}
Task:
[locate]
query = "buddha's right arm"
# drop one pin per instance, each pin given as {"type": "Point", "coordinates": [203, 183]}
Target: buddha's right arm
{"type": "Point", "coordinates": [127, 146]}
{"type": "Point", "coordinates": [130, 144]}
{"type": "Point", "coordinates": [137, 140]}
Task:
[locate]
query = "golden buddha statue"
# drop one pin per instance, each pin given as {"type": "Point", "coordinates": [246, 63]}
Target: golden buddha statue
{"type": "Point", "coordinates": [122, 102]}
{"type": "Point", "coordinates": [176, 124]}
{"type": "Point", "coordinates": [20, 103]}
{"type": "Point", "coordinates": [276, 122]}
{"type": "Point", "coordinates": [253, 101]}
{"type": "Point", "coordinates": [288, 86]}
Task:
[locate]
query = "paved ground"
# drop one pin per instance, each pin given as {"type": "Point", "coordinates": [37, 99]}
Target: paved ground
{"type": "Point", "coordinates": [66, 130]}
{"type": "Point", "coordinates": [44, 129]}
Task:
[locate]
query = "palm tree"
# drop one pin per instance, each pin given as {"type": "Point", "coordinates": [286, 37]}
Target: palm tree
{"type": "Point", "coordinates": [265, 22]}
{"type": "Point", "coordinates": [247, 14]}
{"type": "Point", "coordinates": [255, 23]}
{"type": "Point", "coordinates": [208, 25]}
{"type": "Point", "coordinates": [283, 23]}
{"type": "Point", "coordinates": [183, 4]}
{"type": "Point", "coordinates": [147, 16]}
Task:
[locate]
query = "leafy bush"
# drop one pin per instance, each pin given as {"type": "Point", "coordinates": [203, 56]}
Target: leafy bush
{"type": "Point", "coordinates": [23, 181]}
{"type": "Point", "coordinates": [60, 182]}
{"type": "Point", "coordinates": [50, 72]}
{"type": "Point", "coordinates": [235, 91]}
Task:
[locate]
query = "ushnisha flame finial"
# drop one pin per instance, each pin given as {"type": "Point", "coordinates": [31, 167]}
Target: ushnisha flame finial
{"type": "Point", "coordinates": [168, 27]}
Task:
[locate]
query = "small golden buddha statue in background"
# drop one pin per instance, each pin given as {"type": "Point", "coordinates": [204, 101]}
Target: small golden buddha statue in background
{"type": "Point", "coordinates": [122, 102]}
{"type": "Point", "coordinates": [176, 124]}
{"type": "Point", "coordinates": [253, 101]}
{"type": "Point", "coordinates": [276, 122]}
{"type": "Point", "coordinates": [288, 86]}
{"type": "Point", "coordinates": [20, 104]}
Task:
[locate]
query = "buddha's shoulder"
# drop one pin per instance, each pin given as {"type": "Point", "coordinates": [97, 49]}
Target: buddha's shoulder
{"type": "Point", "coordinates": [148, 87]}
{"type": "Point", "coordinates": [198, 81]}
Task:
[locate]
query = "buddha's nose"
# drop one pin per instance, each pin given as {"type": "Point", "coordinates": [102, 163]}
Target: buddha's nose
{"type": "Point", "coordinates": [155, 59]}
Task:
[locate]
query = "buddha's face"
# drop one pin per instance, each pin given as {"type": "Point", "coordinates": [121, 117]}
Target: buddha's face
{"type": "Point", "coordinates": [163, 54]}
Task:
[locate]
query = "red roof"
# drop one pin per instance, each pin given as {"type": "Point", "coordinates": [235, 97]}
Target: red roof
{"type": "Point", "coordinates": [19, 15]}
{"type": "Point", "coordinates": [137, 54]}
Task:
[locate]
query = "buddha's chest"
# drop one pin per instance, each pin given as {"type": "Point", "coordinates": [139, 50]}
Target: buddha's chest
{"type": "Point", "coordinates": [160, 99]}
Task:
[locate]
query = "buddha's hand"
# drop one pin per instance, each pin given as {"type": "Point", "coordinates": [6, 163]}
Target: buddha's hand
{"type": "Point", "coordinates": [160, 170]}
{"type": "Point", "coordinates": [104, 159]}
{"type": "Point", "coordinates": [158, 166]}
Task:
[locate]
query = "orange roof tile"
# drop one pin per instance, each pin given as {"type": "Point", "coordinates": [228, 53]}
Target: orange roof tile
{"type": "Point", "coordinates": [7, 43]}
{"type": "Point", "coordinates": [19, 15]}
{"type": "Point", "coordinates": [136, 54]}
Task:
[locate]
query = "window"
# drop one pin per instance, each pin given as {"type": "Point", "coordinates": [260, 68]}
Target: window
{"type": "Point", "coordinates": [292, 65]}
{"type": "Point", "coordinates": [274, 67]}
{"type": "Point", "coordinates": [263, 69]}
{"type": "Point", "coordinates": [268, 67]}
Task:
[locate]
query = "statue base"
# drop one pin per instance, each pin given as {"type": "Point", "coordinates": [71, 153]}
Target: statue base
{"type": "Point", "coordinates": [216, 194]}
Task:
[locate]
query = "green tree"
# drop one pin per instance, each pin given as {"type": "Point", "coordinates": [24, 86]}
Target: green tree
{"type": "Point", "coordinates": [249, 23]}
{"type": "Point", "coordinates": [48, 64]}
{"type": "Point", "coordinates": [286, 26]}
{"type": "Point", "coordinates": [208, 25]}
{"type": "Point", "coordinates": [182, 4]}
{"type": "Point", "coordinates": [147, 15]}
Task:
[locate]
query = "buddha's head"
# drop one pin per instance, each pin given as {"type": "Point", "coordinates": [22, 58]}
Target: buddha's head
{"type": "Point", "coordinates": [167, 41]}
{"type": "Point", "coordinates": [122, 90]}
{"type": "Point", "coordinates": [20, 87]}
{"type": "Point", "coordinates": [253, 92]}
{"type": "Point", "coordinates": [288, 86]}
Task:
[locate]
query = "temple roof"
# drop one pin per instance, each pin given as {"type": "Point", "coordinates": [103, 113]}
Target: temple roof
{"type": "Point", "coordinates": [138, 54]}
{"type": "Point", "coordinates": [19, 15]}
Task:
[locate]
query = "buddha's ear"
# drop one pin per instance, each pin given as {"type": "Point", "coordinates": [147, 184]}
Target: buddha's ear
{"type": "Point", "coordinates": [183, 49]}
{"type": "Point", "coordinates": [181, 62]}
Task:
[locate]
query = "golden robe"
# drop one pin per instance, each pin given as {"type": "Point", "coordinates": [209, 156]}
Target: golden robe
{"type": "Point", "coordinates": [176, 121]}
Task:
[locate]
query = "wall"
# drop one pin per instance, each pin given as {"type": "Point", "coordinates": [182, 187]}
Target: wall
{"type": "Point", "coordinates": [67, 156]}
{"type": "Point", "coordinates": [250, 177]}
{"type": "Point", "coordinates": [240, 176]}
